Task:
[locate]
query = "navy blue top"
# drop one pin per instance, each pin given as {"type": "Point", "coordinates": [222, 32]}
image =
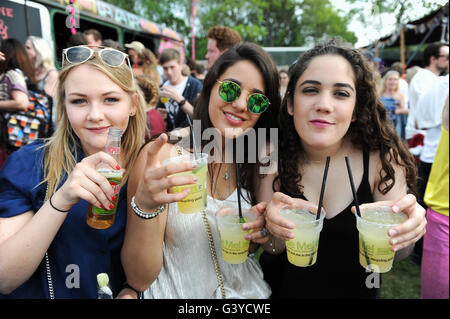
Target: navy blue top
{"type": "Point", "coordinates": [390, 105]}
{"type": "Point", "coordinates": [337, 272]}
{"type": "Point", "coordinates": [77, 251]}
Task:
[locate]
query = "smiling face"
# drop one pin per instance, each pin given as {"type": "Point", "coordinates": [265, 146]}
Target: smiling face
{"type": "Point", "coordinates": [232, 119]}
{"type": "Point", "coordinates": [94, 103]}
{"type": "Point", "coordinates": [323, 104]}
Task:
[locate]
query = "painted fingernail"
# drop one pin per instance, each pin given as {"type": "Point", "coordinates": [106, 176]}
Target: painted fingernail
{"type": "Point", "coordinates": [114, 198]}
{"type": "Point", "coordinates": [111, 206]}
{"type": "Point", "coordinates": [395, 209]}
{"type": "Point", "coordinates": [247, 237]}
{"type": "Point", "coordinates": [195, 179]}
{"type": "Point", "coordinates": [392, 232]}
{"type": "Point", "coordinates": [245, 227]}
{"type": "Point", "coordinates": [117, 167]}
{"type": "Point", "coordinates": [394, 241]}
{"type": "Point", "coordinates": [194, 165]}
{"type": "Point", "coordinates": [101, 206]}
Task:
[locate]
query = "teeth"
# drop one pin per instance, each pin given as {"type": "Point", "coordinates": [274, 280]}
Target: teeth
{"type": "Point", "coordinates": [233, 117]}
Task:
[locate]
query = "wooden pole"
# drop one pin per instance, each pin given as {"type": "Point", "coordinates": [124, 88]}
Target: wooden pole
{"type": "Point", "coordinates": [402, 50]}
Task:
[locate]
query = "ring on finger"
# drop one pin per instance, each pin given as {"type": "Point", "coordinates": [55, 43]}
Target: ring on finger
{"type": "Point", "coordinates": [264, 232]}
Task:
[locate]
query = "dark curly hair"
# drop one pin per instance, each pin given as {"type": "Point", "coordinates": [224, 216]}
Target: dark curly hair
{"type": "Point", "coordinates": [370, 132]}
{"type": "Point", "coordinates": [255, 54]}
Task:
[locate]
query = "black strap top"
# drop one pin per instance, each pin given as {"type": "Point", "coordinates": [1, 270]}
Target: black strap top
{"type": "Point", "coordinates": [337, 272]}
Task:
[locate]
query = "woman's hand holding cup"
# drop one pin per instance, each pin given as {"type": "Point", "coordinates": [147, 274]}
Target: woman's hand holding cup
{"type": "Point", "coordinates": [154, 188]}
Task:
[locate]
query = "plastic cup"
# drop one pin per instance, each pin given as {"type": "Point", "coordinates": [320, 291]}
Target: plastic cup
{"type": "Point", "coordinates": [375, 253]}
{"type": "Point", "coordinates": [164, 99]}
{"type": "Point", "coordinates": [302, 250]}
{"type": "Point", "coordinates": [196, 200]}
{"type": "Point", "coordinates": [232, 237]}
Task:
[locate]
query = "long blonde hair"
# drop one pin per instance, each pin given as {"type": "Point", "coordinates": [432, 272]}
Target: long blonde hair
{"type": "Point", "coordinates": [60, 150]}
{"type": "Point", "coordinates": [44, 54]}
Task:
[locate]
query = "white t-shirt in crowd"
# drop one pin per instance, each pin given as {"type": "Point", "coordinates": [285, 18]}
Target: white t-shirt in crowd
{"type": "Point", "coordinates": [172, 106]}
{"type": "Point", "coordinates": [429, 117]}
{"type": "Point", "coordinates": [421, 82]}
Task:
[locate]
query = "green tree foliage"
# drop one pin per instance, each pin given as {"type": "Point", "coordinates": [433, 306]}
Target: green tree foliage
{"type": "Point", "coordinates": [266, 22]}
{"type": "Point", "coordinates": [403, 10]}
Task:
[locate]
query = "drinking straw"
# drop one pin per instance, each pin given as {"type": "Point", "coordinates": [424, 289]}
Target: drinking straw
{"type": "Point", "coordinates": [355, 198]}
{"type": "Point", "coordinates": [350, 176]}
{"type": "Point", "coordinates": [238, 186]}
{"type": "Point", "coordinates": [319, 208]}
{"type": "Point", "coordinates": [193, 137]}
{"type": "Point", "coordinates": [324, 180]}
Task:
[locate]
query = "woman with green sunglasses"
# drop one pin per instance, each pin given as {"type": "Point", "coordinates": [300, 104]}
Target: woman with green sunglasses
{"type": "Point", "coordinates": [170, 252]}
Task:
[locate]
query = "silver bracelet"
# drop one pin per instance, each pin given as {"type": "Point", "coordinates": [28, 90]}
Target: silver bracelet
{"type": "Point", "coordinates": [146, 215]}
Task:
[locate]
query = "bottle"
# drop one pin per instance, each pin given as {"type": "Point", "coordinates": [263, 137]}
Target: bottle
{"type": "Point", "coordinates": [103, 289]}
{"type": "Point", "coordinates": [99, 218]}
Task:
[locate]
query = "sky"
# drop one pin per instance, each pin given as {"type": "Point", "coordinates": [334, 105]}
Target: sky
{"type": "Point", "coordinates": [381, 25]}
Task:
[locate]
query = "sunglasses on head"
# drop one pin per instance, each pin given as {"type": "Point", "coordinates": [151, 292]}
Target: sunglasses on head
{"type": "Point", "coordinates": [81, 54]}
{"type": "Point", "coordinates": [230, 91]}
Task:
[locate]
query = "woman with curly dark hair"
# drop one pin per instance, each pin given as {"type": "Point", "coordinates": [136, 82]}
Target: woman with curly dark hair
{"type": "Point", "coordinates": [331, 108]}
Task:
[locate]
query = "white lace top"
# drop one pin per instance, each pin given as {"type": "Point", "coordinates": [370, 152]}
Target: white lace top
{"type": "Point", "coordinates": [188, 269]}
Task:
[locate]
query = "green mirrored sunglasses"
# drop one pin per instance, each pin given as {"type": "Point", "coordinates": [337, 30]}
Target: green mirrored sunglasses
{"type": "Point", "coordinates": [230, 91]}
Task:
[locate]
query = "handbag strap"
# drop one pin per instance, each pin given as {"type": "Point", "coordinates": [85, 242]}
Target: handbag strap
{"type": "Point", "coordinates": [211, 241]}
{"type": "Point", "coordinates": [51, 292]}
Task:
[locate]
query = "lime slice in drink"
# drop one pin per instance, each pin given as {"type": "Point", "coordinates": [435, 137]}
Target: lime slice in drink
{"type": "Point", "coordinates": [102, 280]}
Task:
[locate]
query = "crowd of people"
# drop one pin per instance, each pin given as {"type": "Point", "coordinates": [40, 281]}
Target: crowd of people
{"type": "Point", "coordinates": [331, 103]}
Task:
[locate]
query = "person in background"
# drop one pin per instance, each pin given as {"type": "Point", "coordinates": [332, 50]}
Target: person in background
{"type": "Point", "coordinates": [181, 90]}
{"type": "Point", "coordinates": [220, 39]}
{"type": "Point", "coordinates": [149, 88]}
{"type": "Point", "coordinates": [144, 60]}
{"type": "Point", "coordinates": [94, 37]}
{"type": "Point", "coordinates": [404, 89]}
{"type": "Point", "coordinates": [392, 99]}
{"type": "Point", "coordinates": [284, 80]}
{"type": "Point", "coordinates": [41, 56]}
{"type": "Point", "coordinates": [198, 71]}
{"type": "Point", "coordinates": [15, 68]}
{"type": "Point", "coordinates": [435, 259]}
{"type": "Point", "coordinates": [78, 38]}
{"type": "Point", "coordinates": [332, 109]}
{"type": "Point", "coordinates": [429, 115]}
{"type": "Point", "coordinates": [113, 44]}
{"type": "Point", "coordinates": [134, 49]}
{"type": "Point", "coordinates": [46, 186]}
{"type": "Point", "coordinates": [435, 60]}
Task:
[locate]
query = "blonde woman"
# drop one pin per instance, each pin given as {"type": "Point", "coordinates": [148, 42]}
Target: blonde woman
{"type": "Point", "coordinates": [393, 100]}
{"type": "Point", "coordinates": [46, 186]}
{"type": "Point", "coordinates": [41, 57]}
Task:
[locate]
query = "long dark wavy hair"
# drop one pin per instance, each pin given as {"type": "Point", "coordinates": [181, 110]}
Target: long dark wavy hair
{"type": "Point", "coordinates": [255, 54]}
{"type": "Point", "coordinates": [371, 131]}
{"type": "Point", "coordinates": [15, 58]}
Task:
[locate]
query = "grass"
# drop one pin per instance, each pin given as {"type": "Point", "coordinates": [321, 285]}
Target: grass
{"type": "Point", "coordinates": [402, 281]}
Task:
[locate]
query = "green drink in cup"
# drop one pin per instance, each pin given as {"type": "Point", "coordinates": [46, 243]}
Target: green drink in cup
{"type": "Point", "coordinates": [375, 253]}
{"type": "Point", "coordinates": [196, 200]}
{"type": "Point", "coordinates": [302, 250]}
{"type": "Point", "coordinates": [232, 236]}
